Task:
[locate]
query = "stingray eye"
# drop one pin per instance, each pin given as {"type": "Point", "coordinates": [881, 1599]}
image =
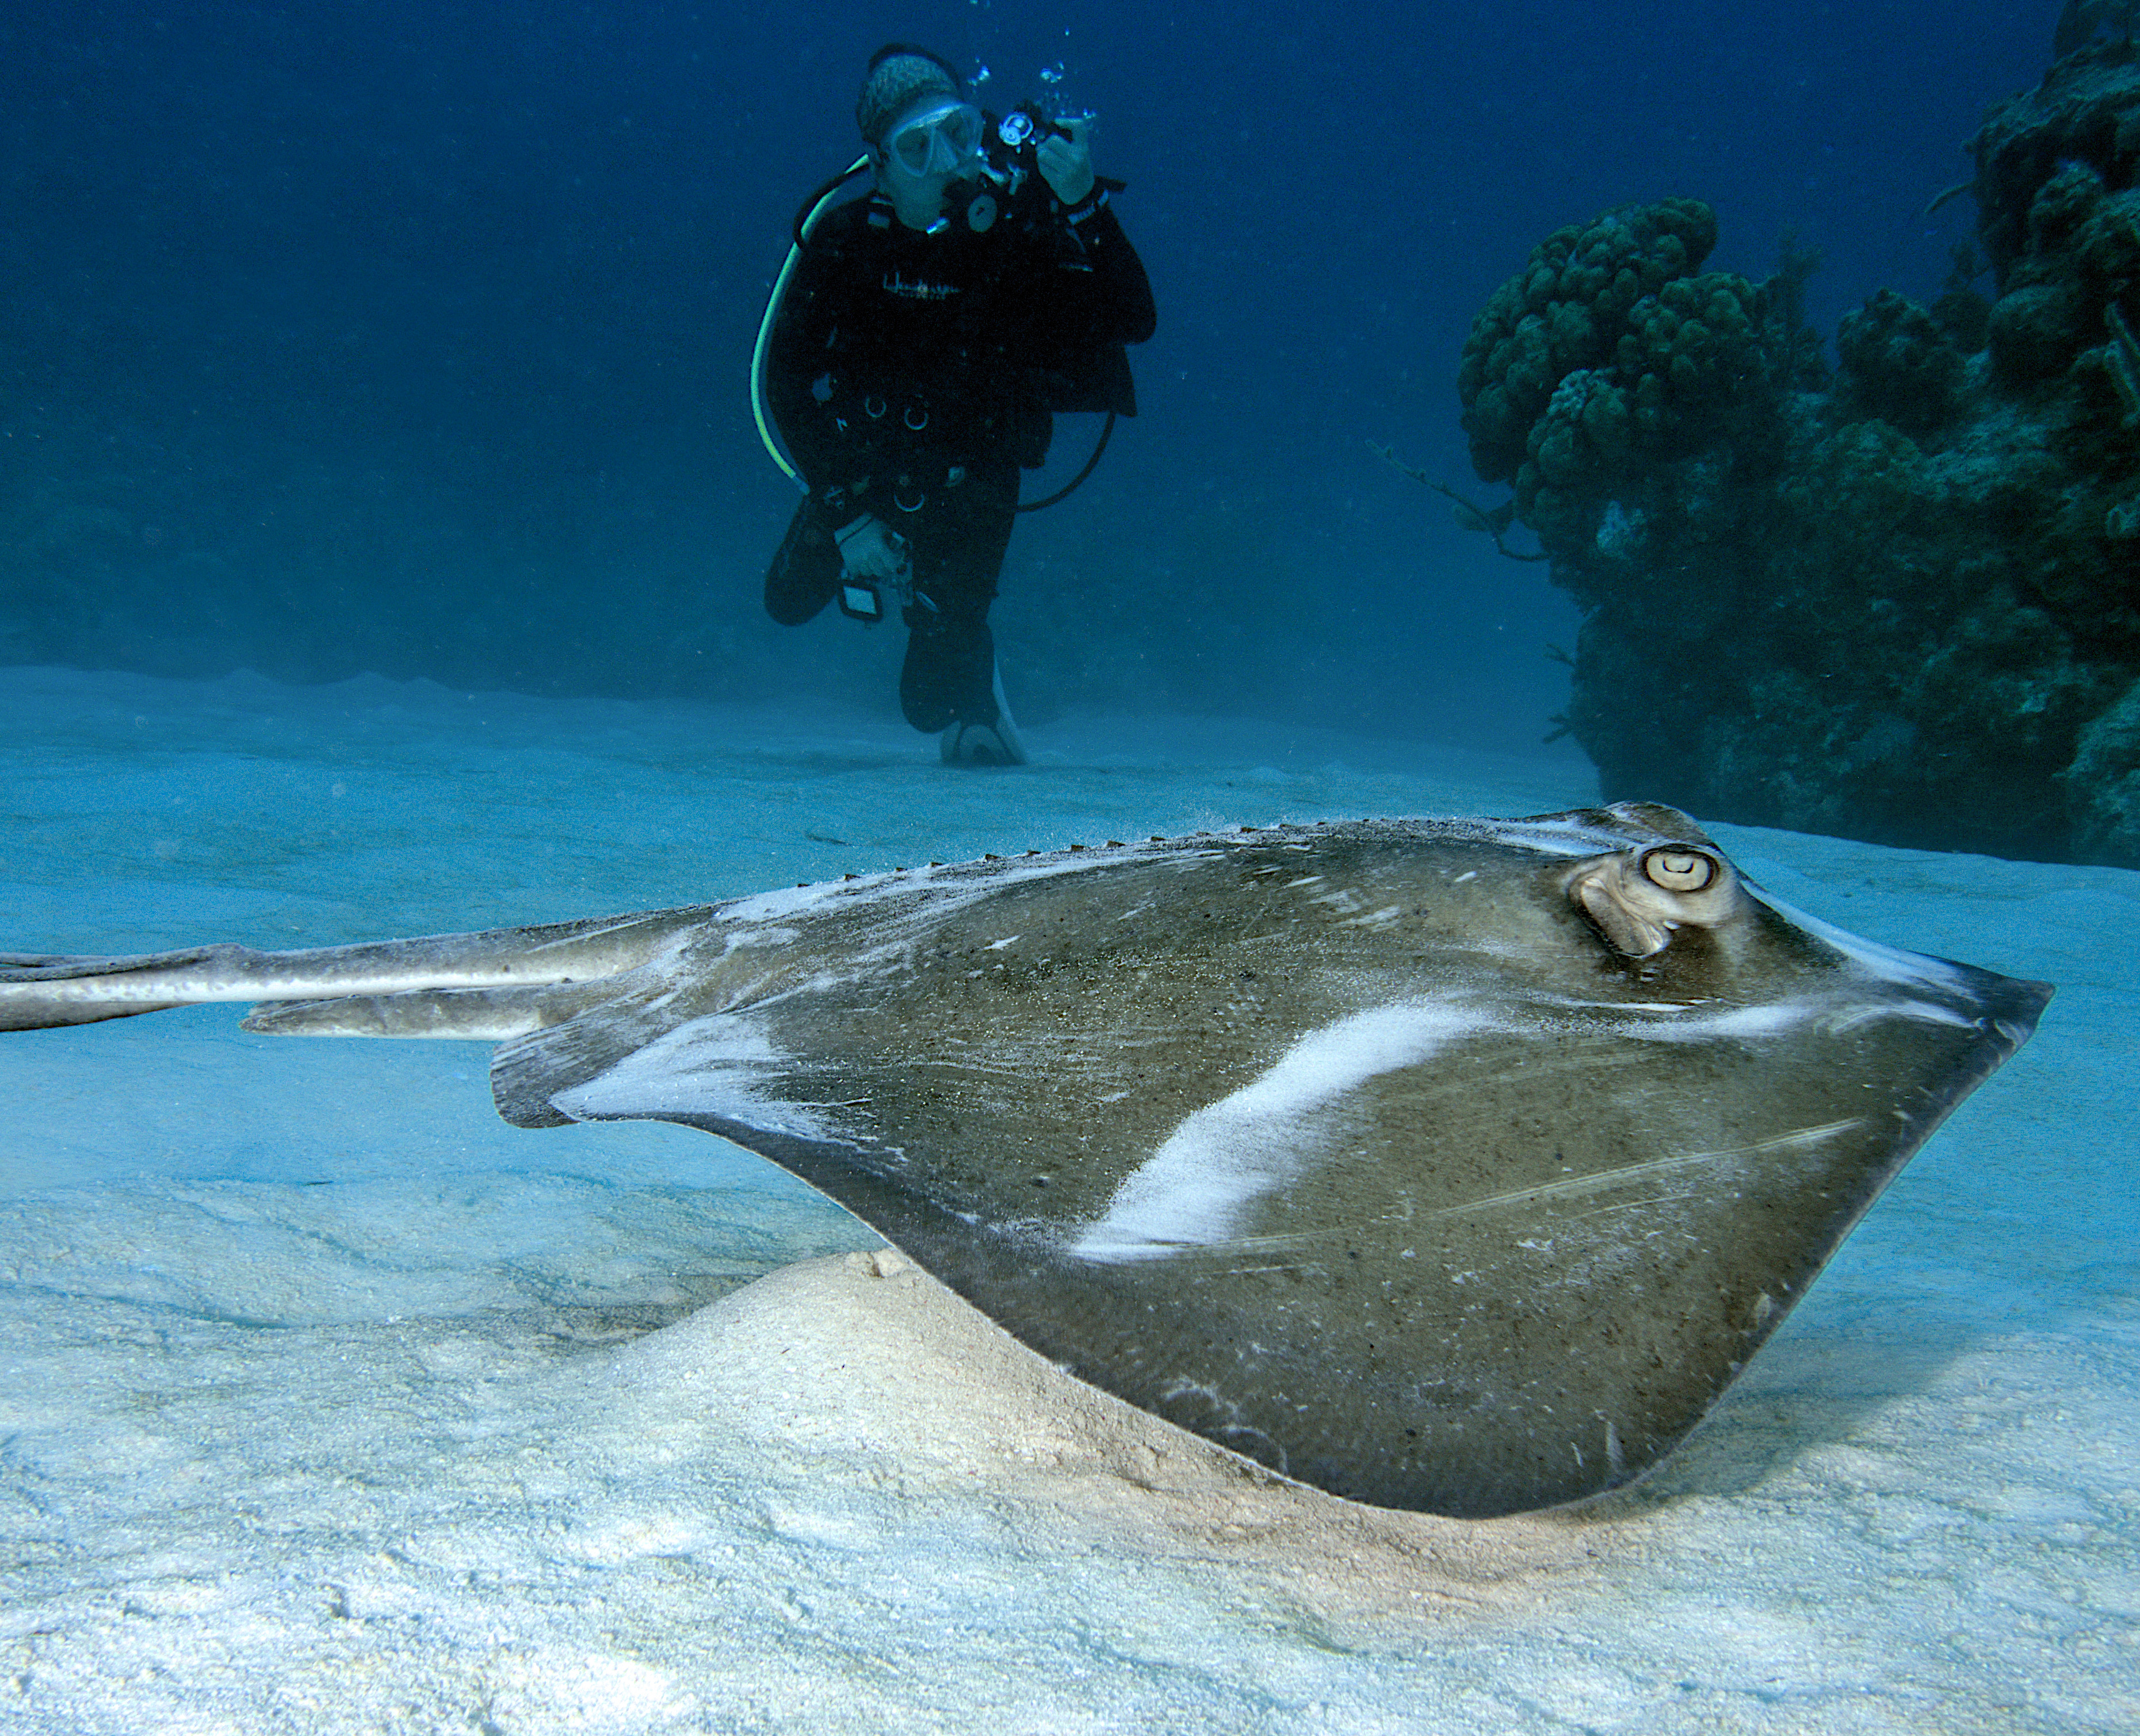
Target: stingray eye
{"type": "Point", "coordinates": [1677, 869]}
{"type": "Point", "coordinates": [1638, 898]}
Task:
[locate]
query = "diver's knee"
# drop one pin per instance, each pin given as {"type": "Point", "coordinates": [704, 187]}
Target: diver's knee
{"type": "Point", "coordinates": [791, 608]}
{"type": "Point", "coordinates": [805, 571]}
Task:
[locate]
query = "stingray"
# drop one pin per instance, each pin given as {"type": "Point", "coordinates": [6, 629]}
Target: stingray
{"type": "Point", "coordinates": [1455, 1165]}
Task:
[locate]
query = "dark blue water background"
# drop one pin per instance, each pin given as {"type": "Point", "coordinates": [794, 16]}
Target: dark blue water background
{"type": "Point", "coordinates": [413, 337]}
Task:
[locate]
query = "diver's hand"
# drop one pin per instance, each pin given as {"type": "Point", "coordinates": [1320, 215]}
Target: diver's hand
{"type": "Point", "coordinates": [1066, 165]}
{"type": "Point", "coordinates": [870, 549]}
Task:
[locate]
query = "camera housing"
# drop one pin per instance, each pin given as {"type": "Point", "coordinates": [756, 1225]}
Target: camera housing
{"type": "Point", "coordinates": [1008, 181]}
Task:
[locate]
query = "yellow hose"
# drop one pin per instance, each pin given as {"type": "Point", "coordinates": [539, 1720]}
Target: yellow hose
{"type": "Point", "coordinates": [772, 312]}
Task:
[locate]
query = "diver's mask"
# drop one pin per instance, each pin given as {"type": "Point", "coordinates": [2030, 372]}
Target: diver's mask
{"type": "Point", "coordinates": [943, 149]}
{"type": "Point", "coordinates": [940, 140]}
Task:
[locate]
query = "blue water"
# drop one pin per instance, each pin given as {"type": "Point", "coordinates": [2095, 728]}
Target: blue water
{"type": "Point", "coordinates": [413, 337]}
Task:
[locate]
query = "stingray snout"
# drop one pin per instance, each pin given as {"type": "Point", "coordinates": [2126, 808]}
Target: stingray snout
{"type": "Point", "coordinates": [1637, 897]}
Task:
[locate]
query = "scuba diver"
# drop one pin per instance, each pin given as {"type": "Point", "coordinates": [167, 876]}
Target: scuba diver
{"type": "Point", "coordinates": [917, 349]}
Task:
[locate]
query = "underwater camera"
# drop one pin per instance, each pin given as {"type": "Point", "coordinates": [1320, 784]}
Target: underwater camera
{"type": "Point", "coordinates": [1008, 177]}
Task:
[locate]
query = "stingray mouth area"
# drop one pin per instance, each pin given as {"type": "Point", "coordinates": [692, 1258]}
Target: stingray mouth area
{"type": "Point", "coordinates": [1196, 1188]}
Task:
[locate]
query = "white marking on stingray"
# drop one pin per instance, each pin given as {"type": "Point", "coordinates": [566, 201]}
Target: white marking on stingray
{"type": "Point", "coordinates": [901, 912]}
{"type": "Point", "coordinates": [1550, 837]}
{"type": "Point", "coordinates": [1681, 1021]}
{"type": "Point", "coordinates": [720, 1065]}
{"type": "Point", "coordinates": [1924, 1012]}
{"type": "Point", "coordinates": [1778, 1018]}
{"type": "Point", "coordinates": [1890, 963]}
{"type": "Point", "coordinates": [1193, 1191]}
{"type": "Point", "coordinates": [1741, 1022]}
{"type": "Point", "coordinates": [931, 892]}
{"type": "Point", "coordinates": [736, 940]}
{"type": "Point", "coordinates": [1628, 1175]}
{"type": "Point", "coordinates": [1699, 1021]}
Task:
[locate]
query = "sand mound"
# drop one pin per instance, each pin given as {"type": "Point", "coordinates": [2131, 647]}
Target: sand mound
{"type": "Point", "coordinates": [865, 1360]}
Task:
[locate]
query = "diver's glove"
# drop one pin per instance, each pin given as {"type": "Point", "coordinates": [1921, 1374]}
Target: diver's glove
{"type": "Point", "coordinates": [870, 549]}
{"type": "Point", "coordinates": [1066, 162]}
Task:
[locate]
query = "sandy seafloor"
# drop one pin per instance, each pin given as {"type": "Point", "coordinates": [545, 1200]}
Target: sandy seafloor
{"type": "Point", "coordinates": [329, 1403]}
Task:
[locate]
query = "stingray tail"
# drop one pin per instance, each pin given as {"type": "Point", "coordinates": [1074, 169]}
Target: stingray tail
{"type": "Point", "coordinates": [40, 990]}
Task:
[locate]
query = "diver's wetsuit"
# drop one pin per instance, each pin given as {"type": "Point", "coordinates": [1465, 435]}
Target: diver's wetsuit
{"type": "Point", "coordinates": [911, 376]}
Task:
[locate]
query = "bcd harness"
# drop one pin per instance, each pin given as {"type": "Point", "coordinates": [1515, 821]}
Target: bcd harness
{"type": "Point", "coordinates": [1102, 382]}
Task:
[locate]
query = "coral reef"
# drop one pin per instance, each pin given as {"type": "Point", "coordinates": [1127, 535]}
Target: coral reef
{"type": "Point", "coordinates": [2083, 21]}
{"type": "Point", "coordinates": [1901, 602]}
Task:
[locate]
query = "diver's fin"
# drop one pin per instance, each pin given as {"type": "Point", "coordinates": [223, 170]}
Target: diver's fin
{"type": "Point", "coordinates": [985, 744]}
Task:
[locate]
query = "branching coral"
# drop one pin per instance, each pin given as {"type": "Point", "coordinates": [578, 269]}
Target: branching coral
{"type": "Point", "coordinates": [1492, 521]}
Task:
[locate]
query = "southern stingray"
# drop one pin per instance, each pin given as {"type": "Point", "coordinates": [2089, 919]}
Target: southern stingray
{"type": "Point", "coordinates": [1456, 1164]}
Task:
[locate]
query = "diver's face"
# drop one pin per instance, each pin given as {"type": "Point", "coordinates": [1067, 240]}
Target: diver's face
{"type": "Point", "coordinates": [923, 152]}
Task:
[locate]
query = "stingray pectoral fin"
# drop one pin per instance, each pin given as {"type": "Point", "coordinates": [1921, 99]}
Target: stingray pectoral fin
{"type": "Point", "coordinates": [37, 992]}
{"type": "Point", "coordinates": [1472, 1260]}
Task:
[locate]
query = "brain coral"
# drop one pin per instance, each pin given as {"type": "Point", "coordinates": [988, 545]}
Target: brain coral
{"type": "Point", "coordinates": [1568, 309]}
{"type": "Point", "coordinates": [1610, 352]}
{"type": "Point", "coordinates": [1898, 365]}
